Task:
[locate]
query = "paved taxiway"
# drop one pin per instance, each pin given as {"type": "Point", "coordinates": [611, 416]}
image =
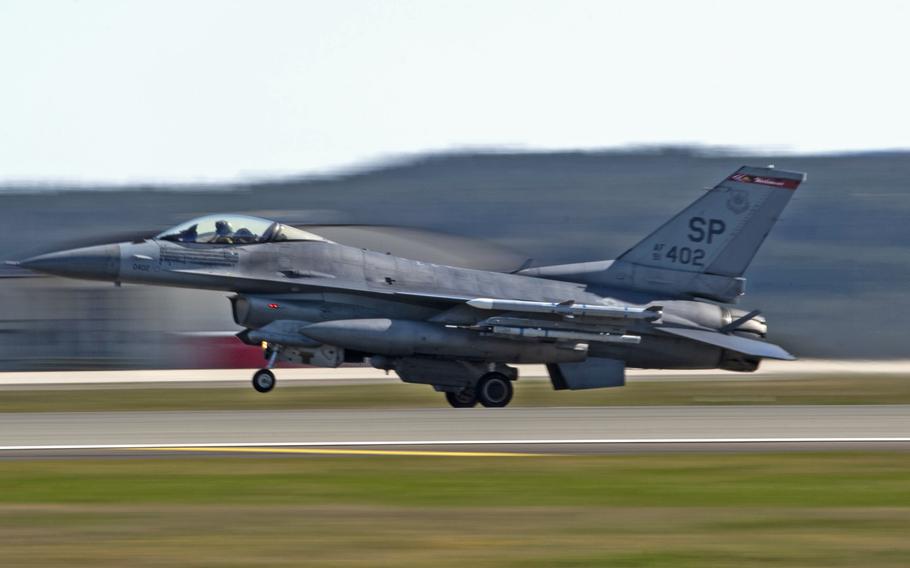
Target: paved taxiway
{"type": "Point", "coordinates": [548, 430]}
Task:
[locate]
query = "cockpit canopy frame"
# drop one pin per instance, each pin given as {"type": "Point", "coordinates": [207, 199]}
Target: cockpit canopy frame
{"type": "Point", "coordinates": [232, 229]}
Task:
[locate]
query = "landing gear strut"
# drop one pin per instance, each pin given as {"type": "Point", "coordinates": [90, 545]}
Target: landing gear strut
{"type": "Point", "coordinates": [494, 390]}
{"type": "Point", "coordinates": [264, 379]}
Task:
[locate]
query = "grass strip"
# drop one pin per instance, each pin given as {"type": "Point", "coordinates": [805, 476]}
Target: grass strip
{"type": "Point", "coordinates": [818, 509]}
{"type": "Point", "coordinates": [803, 389]}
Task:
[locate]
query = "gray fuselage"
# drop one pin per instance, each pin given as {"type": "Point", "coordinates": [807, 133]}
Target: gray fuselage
{"type": "Point", "coordinates": [322, 281]}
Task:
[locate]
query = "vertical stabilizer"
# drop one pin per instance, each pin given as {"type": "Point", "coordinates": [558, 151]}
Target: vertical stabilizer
{"type": "Point", "coordinates": [722, 230]}
{"type": "Point", "coordinates": [703, 251]}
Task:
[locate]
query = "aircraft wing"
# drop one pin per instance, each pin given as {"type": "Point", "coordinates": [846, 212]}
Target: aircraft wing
{"type": "Point", "coordinates": [736, 343]}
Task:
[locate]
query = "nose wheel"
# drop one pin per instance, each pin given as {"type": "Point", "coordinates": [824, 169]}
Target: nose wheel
{"type": "Point", "coordinates": [263, 380]}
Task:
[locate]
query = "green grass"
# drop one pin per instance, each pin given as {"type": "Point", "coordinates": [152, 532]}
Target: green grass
{"type": "Point", "coordinates": [837, 389]}
{"type": "Point", "coordinates": [755, 509]}
{"type": "Point", "coordinates": [710, 480]}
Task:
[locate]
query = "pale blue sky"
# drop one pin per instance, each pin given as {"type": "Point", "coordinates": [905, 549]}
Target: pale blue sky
{"type": "Point", "coordinates": [209, 90]}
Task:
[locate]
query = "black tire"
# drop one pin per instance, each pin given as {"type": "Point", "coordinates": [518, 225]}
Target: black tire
{"type": "Point", "coordinates": [461, 399]}
{"type": "Point", "coordinates": [494, 390]}
{"type": "Point", "coordinates": [263, 380]}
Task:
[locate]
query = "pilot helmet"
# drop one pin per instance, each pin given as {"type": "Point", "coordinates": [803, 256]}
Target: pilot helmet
{"type": "Point", "coordinates": [223, 228]}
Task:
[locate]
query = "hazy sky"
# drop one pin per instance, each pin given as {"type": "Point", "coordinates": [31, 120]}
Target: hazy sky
{"type": "Point", "coordinates": [205, 90]}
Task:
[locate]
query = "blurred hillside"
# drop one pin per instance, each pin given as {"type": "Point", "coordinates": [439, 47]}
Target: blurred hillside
{"type": "Point", "coordinates": [830, 277]}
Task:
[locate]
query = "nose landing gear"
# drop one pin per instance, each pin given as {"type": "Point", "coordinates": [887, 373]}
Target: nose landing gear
{"type": "Point", "coordinates": [264, 379]}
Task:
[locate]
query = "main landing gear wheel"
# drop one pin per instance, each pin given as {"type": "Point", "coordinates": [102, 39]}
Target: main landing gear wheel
{"type": "Point", "coordinates": [494, 390]}
{"type": "Point", "coordinates": [461, 399]}
{"type": "Point", "coordinates": [263, 380]}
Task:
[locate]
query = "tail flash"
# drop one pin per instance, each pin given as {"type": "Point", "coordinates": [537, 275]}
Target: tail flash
{"type": "Point", "coordinates": [720, 232]}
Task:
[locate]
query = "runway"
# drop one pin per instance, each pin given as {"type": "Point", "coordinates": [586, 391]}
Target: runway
{"type": "Point", "coordinates": [467, 431]}
{"type": "Point", "coordinates": [350, 375]}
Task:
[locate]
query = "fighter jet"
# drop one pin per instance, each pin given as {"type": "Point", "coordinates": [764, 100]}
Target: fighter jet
{"type": "Point", "coordinates": [305, 299]}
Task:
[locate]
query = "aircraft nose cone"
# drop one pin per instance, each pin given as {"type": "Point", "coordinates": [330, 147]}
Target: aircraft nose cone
{"type": "Point", "coordinates": [94, 263]}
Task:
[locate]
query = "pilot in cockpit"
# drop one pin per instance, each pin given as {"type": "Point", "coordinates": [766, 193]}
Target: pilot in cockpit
{"type": "Point", "coordinates": [223, 233]}
{"type": "Point", "coordinates": [220, 229]}
{"type": "Point", "coordinates": [244, 236]}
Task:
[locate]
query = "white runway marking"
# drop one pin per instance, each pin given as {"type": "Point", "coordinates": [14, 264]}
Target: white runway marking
{"type": "Point", "coordinates": [344, 452]}
{"type": "Point", "coordinates": [170, 445]}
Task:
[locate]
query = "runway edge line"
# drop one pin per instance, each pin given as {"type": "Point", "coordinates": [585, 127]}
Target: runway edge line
{"type": "Point", "coordinates": [456, 443]}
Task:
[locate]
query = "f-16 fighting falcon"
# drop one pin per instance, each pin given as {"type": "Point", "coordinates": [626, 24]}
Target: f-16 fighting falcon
{"type": "Point", "coordinates": [308, 300]}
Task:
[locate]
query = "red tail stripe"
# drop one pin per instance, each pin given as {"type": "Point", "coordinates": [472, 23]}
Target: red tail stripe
{"type": "Point", "coordinates": [765, 180]}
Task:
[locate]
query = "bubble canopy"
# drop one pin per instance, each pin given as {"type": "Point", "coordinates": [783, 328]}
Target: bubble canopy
{"type": "Point", "coordinates": [235, 230]}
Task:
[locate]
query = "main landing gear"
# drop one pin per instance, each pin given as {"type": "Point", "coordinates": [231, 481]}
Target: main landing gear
{"type": "Point", "coordinates": [264, 379]}
{"type": "Point", "coordinates": [493, 390]}
{"type": "Point", "coordinates": [462, 399]}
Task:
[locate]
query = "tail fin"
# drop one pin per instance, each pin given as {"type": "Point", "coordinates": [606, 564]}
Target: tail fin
{"type": "Point", "coordinates": [721, 231]}
{"type": "Point", "coordinates": [703, 251]}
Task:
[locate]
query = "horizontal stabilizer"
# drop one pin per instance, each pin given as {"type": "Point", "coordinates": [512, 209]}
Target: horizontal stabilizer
{"type": "Point", "coordinates": [736, 343]}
